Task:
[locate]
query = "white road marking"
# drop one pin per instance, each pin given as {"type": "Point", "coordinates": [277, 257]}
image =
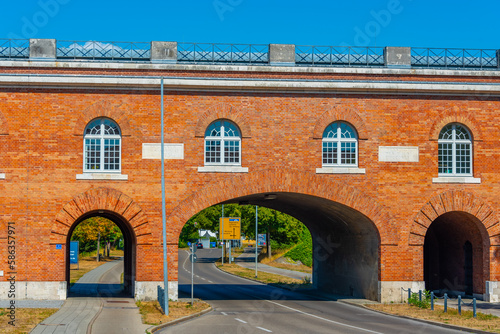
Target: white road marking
{"type": "Point", "coordinates": [203, 278]}
{"type": "Point", "coordinates": [209, 281]}
{"type": "Point", "coordinates": [317, 317]}
{"type": "Point", "coordinates": [265, 330]}
{"type": "Point", "coordinates": [240, 320]}
{"type": "Point", "coordinates": [224, 313]}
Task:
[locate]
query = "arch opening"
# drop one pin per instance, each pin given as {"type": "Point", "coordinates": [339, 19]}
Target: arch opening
{"type": "Point", "coordinates": [129, 248]}
{"type": "Point", "coordinates": [456, 255]}
{"type": "Point", "coordinates": [346, 243]}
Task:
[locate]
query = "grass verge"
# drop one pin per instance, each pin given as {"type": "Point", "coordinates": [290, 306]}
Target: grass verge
{"type": "Point", "coordinates": [485, 322]}
{"type": "Point", "coordinates": [26, 319]}
{"type": "Point", "coordinates": [267, 278]}
{"type": "Point", "coordinates": [152, 314]}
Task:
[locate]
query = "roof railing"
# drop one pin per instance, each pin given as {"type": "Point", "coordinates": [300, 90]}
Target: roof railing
{"type": "Point", "coordinates": [250, 54]}
{"type": "Point", "coordinates": [14, 48]}
{"type": "Point", "coordinates": [307, 55]}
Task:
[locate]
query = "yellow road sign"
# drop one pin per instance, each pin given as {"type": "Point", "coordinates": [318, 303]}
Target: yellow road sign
{"type": "Point", "coordinates": [232, 228]}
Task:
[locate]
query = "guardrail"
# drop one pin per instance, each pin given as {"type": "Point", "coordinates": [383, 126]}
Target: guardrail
{"type": "Point", "coordinates": [14, 48]}
{"type": "Point", "coordinates": [339, 55]}
{"type": "Point", "coordinates": [130, 51]}
{"type": "Point", "coordinates": [223, 53]}
{"type": "Point", "coordinates": [454, 58]}
{"type": "Point", "coordinates": [251, 54]}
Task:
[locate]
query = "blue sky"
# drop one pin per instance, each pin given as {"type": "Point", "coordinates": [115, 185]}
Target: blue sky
{"type": "Point", "coordinates": [418, 23]}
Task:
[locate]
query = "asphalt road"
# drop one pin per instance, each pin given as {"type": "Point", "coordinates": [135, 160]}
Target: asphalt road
{"type": "Point", "coordinates": [243, 306]}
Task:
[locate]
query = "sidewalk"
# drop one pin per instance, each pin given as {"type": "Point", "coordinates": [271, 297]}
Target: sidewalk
{"type": "Point", "coordinates": [247, 260]}
{"type": "Point", "coordinates": [96, 306]}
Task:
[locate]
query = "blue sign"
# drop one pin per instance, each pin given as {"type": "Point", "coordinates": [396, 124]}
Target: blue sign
{"type": "Point", "coordinates": [73, 252]}
{"type": "Point", "coordinates": [213, 244]}
{"type": "Point", "coordinates": [189, 243]}
{"type": "Point", "coordinates": [58, 246]}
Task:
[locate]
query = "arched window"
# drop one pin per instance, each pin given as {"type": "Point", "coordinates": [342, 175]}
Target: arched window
{"type": "Point", "coordinates": [340, 144]}
{"type": "Point", "coordinates": [455, 150]}
{"type": "Point", "coordinates": [102, 146]}
{"type": "Point", "coordinates": [222, 144]}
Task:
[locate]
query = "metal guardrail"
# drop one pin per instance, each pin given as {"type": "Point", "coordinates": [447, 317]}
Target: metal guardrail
{"type": "Point", "coordinates": [223, 53]}
{"type": "Point", "coordinates": [339, 56]}
{"type": "Point", "coordinates": [454, 58]}
{"type": "Point", "coordinates": [93, 50]}
{"type": "Point", "coordinates": [14, 48]}
{"type": "Point", "coordinates": [259, 54]}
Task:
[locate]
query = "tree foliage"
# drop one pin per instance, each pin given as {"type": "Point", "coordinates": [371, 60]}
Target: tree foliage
{"type": "Point", "coordinates": [88, 231]}
{"type": "Point", "coordinates": [284, 230]}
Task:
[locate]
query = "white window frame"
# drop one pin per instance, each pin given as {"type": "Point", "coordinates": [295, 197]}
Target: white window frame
{"type": "Point", "coordinates": [223, 139]}
{"type": "Point", "coordinates": [339, 140]}
{"type": "Point", "coordinates": [454, 141]}
{"type": "Point", "coordinates": [102, 137]}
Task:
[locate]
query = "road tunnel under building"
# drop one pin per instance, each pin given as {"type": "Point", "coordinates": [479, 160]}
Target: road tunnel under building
{"type": "Point", "coordinates": [456, 255]}
{"type": "Point", "coordinates": [345, 242]}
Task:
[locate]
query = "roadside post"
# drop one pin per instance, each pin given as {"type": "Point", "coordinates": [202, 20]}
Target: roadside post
{"type": "Point", "coordinates": [256, 236]}
{"type": "Point", "coordinates": [193, 259]}
{"type": "Point", "coordinates": [221, 235]}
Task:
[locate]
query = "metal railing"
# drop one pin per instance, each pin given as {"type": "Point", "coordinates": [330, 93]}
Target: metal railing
{"type": "Point", "coordinates": [454, 58]}
{"type": "Point", "coordinates": [93, 50]}
{"type": "Point", "coordinates": [14, 48]}
{"type": "Point", "coordinates": [339, 56]}
{"type": "Point", "coordinates": [223, 53]}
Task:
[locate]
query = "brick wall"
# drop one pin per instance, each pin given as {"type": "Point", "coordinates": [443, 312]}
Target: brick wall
{"type": "Point", "coordinates": [41, 144]}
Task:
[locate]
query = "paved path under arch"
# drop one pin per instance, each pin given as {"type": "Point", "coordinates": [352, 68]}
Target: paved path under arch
{"type": "Point", "coordinates": [96, 306]}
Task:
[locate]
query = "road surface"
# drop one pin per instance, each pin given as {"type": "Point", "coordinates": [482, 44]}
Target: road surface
{"type": "Point", "coordinates": [243, 306]}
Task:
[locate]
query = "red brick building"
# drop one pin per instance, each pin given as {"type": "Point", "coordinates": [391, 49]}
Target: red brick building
{"type": "Point", "coordinates": [389, 157]}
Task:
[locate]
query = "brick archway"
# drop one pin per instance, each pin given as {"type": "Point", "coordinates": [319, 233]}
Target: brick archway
{"type": "Point", "coordinates": [455, 115]}
{"type": "Point", "coordinates": [224, 111]}
{"type": "Point", "coordinates": [454, 200]}
{"type": "Point", "coordinates": [96, 199]}
{"type": "Point", "coordinates": [292, 181]}
{"type": "Point", "coordinates": [103, 108]}
{"type": "Point", "coordinates": [4, 127]}
{"type": "Point", "coordinates": [340, 113]}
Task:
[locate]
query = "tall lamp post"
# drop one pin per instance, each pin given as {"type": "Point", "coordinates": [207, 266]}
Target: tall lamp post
{"type": "Point", "coordinates": [163, 213]}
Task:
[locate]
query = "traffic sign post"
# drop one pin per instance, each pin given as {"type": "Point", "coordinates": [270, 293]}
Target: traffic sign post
{"type": "Point", "coordinates": [193, 258]}
{"type": "Point", "coordinates": [73, 253]}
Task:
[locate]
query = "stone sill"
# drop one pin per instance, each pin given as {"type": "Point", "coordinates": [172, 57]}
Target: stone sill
{"type": "Point", "coordinates": [456, 179]}
{"type": "Point", "coordinates": [2, 176]}
{"type": "Point", "coordinates": [102, 176]}
{"type": "Point", "coordinates": [222, 169]}
{"type": "Point", "coordinates": [340, 170]}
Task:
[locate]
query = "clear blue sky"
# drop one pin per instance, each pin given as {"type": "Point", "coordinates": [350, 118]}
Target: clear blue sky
{"type": "Point", "coordinates": [419, 23]}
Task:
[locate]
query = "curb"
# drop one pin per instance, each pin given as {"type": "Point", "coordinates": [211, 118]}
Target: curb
{"type": "Point", "coordinates": [177, 321]}
{"type": "Point", "coordinates": [430, 322]}
{"type": "Point", "coordinates": [345, 301]}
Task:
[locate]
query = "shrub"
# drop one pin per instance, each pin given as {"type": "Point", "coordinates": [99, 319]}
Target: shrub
{"type": "Point", "coordinates": [424, 303]}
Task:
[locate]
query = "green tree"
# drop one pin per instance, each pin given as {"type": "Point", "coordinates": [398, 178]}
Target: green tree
{"type": "Point", "coordinates": [88, 231]}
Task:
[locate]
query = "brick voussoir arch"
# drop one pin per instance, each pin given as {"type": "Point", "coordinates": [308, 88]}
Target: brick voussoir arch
{"type": "Point", "coordinates": [340, 113]}
{"type": "Point", "coordinates": [279, 180]}
{"type": "Point", "coordinates": [454, 200]}
{"type": "Point", "coordinates": [223, 111]}
{"type": "Point", "coordinates": [107, 199]}
{"type": "Point", "coordinates": [4, 127]}
{"type": "Point", "coordinates": [453, 116]}
{"type": "Point", "coordinates": [107, 109]}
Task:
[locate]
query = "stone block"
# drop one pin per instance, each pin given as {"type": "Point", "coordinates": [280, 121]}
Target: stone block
{"type": "Point", "coordinates": [397, 56]}
{"type": "Point", "coordinates": [163, 52]}
{"type": "Point", "coordinates": [282, 54]}
{"type": "Point", "coordinates": [43, 49]}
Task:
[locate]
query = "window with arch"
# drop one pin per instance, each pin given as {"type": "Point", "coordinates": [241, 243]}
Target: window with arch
{"type": "Point", "coordinates": [340, 145]}
{"type": "Point", "coordinates": [102, 146]}
{"type": "Point", "coordinates": [222, 144]}
{"type": "Point", "coordinates": [455, 150]}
